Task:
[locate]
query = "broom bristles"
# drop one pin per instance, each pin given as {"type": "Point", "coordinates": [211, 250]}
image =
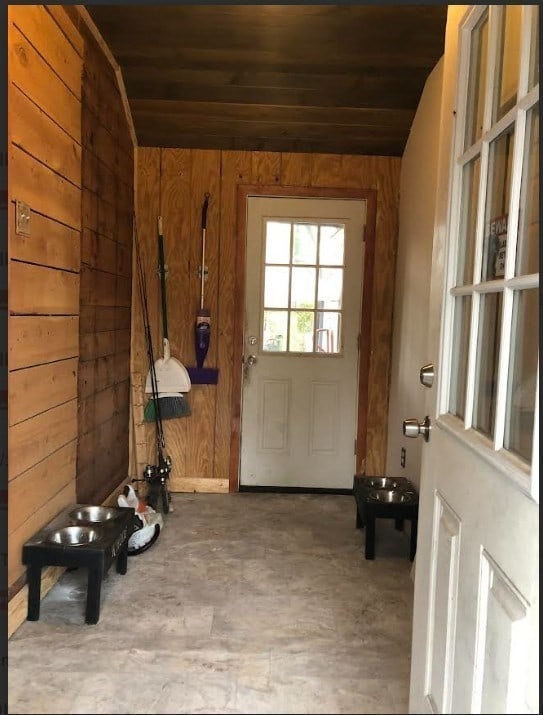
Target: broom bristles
{"type": "Point", "coordinates": [170, 407]}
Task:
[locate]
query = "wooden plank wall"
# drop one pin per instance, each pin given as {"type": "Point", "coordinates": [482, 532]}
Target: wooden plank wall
{"type": "Point", "coordinates": [106, 275]}
{"type": "Point", "coordinates": [44, 144]}
{"type": "Point", "coordinates": [172, 182]}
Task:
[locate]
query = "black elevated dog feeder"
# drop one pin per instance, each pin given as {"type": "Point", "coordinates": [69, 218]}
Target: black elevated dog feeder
{"type": "Point", "coordinates": [82, 536]}
{"type": "Point", "coordinates": [385, 498]}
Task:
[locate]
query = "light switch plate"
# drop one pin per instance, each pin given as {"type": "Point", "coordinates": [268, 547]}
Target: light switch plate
{"type": "Point", "coordinates": [22, 218]}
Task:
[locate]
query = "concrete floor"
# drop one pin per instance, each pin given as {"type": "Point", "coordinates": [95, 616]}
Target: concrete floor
{"type": "Point", "coordinates": [247, 603]}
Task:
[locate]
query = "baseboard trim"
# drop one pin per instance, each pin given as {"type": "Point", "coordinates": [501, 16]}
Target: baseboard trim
{"type": "Point", "coordinates": [293, 490]}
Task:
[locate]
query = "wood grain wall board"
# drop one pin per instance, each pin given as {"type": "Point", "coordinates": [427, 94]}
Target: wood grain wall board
{"type": "Point", "coordinates": [34, 340]}
{"type": "Point", "coordinates": [97, 287]}
{"type": "Point", "coordinates": [86, 379]}
{"type": "Point", "coordinates": [30, 490]}
{"type": "Point", "coordinates": [67, 26]}
{"type": "Point", "coordinates": [42, 31]}
{"type": "Point", "coordinates": [205, 179]}
{"type": "Point", "coordinates": [98, 251]}
{"type": "Point", "coordinates": [104, 372]}
{"type": "Point", "coordinates": [364, 356]}
{"type": "Point", "coordinates": [148, 210]}
{"type": "Point", "coordinates": [43, 190]}
{"type": "Point", "coordinates": [296, 169]}
{"type": "Point", "coordinates": [379, 374]}
{"type": "Point", "coordinates": [265, 168]}
{"type": "Point", "coordinates": [107, 217]}
{"type": "Point", "coordinates": [98, 176]}
{"type": "Point", "coordinates": [89, 210]}
{"type": "Point", "coordinates": [125, 217]}
{"type": "Point", "coordinates": [97, 345]}
{"type": "Point", "coordinates": [34, 439]}
{"type": "Point", "coordinates": [123, 291]}
{"type": "Point", "coordinates": [201, 429]}
{"type": "Point", "coordinates": [41, 137]}
{"type": "Point", "coordinates": [123, 261]}
{"type": "Point", "coordinates": [175, 189]}
{"type": "Point", "coordinates": [31, 74]}
{"type": "Point", "coordinates": [48, 511]}
{"type": "Point", "coordinates": [103, 144]}
{"type": "Point", "coordinates": [37, 389]}
{"type": "Point", "coordinates": [51, 243]}
{"type": "Point", "coordinates": [122, 317]}
{"type": "Point", "coordinates": [200, 485]}
{"type": "Point", "coordinates": [122, 341]}
{"type": "Point", "coordinates": [38, 290]}
{"type": "Point", "coordinates": [236, 168]}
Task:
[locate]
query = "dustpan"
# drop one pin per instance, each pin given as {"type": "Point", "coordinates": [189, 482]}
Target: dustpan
{"type": "Point", "coordinates": [171, 375]}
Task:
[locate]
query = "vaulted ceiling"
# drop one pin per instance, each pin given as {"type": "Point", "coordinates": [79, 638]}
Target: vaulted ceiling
{"type": "Point", "coordinates": [304, 78]}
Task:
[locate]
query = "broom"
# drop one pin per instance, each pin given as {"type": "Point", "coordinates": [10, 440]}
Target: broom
{"type": "Point", "coordinates": [172, 377]}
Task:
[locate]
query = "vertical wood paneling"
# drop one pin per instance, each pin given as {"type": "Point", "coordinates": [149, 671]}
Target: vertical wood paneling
{"type": "Point", "coordinates": [201, 444]}
{"type": "Point", "coordinates": [235, 170]}
{"type": "Point", "coordinates": [201, 431]}
{"type": "Point", "coordinates": [44, 121]}
{"type": "Point", "coordinates": [296, 169]}
{"type": "Point", "coordinates": [107, 177]}
{"type": "Point", "coordinates": [265, 168]}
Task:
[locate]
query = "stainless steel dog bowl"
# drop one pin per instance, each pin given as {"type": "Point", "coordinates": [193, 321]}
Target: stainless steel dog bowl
{"type": "Point", "coordinates": [73, 536]}
{"type": "Point", "coordinates": [390, 496]}
{"type": "Point", "coordinates": [93, 514]}
{"type": "Point", "coordinates": [383, 483]}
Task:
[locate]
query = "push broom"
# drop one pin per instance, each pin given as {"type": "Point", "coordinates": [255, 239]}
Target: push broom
{"type": "Point", "coordinates": [202, 328]}
{"type": "Point", "coordinates": [172, 378]}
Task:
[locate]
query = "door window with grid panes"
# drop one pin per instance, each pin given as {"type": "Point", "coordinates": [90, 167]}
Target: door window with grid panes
{"type": "Point", "coordinates": [492, 303]}
{"type": "Point", "coordinates": [303, 287]}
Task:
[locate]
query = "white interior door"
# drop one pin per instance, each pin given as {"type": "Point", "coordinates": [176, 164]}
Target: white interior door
{"type": "Point", "coordinates": [476, 614]}
{"type": "Point", "coordinates": [304, 264]}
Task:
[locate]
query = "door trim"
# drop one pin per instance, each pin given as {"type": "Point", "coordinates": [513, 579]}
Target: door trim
{"type": "Point", "coordinates": [243, 194]}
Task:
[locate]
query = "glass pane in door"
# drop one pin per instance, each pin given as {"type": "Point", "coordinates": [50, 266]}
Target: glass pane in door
{"type": "Point", "coordinates": [301, 331]}
{"type": "Point", "coordinates": [277, 242]}
{"type": "Point", "coordinates": [476, 84]}
{"type": "Point", "coordinates": [519, 421]}
{"type": "Point", "coordinates": [332, 245]}
{"type": "Point", "coordinates": [462, 316]}
{"type": "Point", "coordinates": [275, 330]}
{"type": "Point", "coordinates": [497, 205]}
{"type": "Point", "coordinates": [488, 344]}
{"type": "Point", "coordinates": [470, 197]}
{"type": "Point", "coordinates": [528, 234]}
{"type": "Point", "coordinates": [304, 249]}
{"type": "Point", "coordinates": [508, 62]}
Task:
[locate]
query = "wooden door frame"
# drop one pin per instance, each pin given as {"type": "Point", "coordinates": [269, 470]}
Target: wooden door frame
{"type": "Point", "coordinates": [243, 194]}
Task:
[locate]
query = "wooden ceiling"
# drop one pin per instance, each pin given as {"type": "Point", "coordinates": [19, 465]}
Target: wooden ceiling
{"type": "Point", "coordinates": [303, 78]}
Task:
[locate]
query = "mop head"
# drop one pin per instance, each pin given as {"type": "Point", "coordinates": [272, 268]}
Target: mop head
{"type": "Point", "coordinates": [171, 406]}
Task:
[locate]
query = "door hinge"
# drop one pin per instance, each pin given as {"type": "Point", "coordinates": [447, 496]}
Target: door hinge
{"type": "Point", "coordinates": [355, 445]}
{"type": "Point", "coordinates": [363, 234]}
{"type": "Point", "coordinates": [358, 342]}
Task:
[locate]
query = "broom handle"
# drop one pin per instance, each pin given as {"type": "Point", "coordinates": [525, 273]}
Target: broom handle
{"type": "Point", "coordinates": [162, 272]}
{"type": "Point", "coordinates": [204, 224]}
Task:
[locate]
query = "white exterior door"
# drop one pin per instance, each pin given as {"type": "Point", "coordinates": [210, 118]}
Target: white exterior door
{"type": "Point", "coordinates": [476, 624]}
{"type": "Point", "coordinates": [304, 263]}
